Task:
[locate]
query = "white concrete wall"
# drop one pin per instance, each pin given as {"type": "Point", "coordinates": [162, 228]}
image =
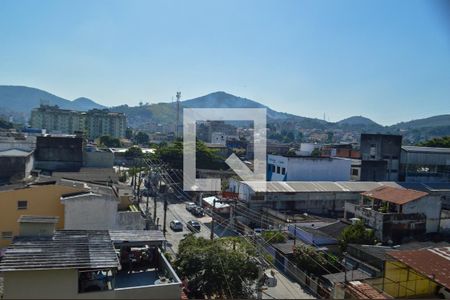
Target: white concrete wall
{"type": "Point", "coordinates": [430, 206]}
{"type": "Point", "coordinates": [90, 213]}
{"type": "Point", "coordinates": [311, 169]}
{"type": "Point", "coordinates": [49, 284]}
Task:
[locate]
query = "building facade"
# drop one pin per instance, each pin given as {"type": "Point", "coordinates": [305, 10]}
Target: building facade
{"type": "Point", "coordinates": [307, 168]}
{"type": "Point", "coordinates": [93, 123]}
{"type": "Point", "coordinates": [380, 157]}
{"type": "Point", "coordinates": [425, 164]}
{"type": "Point", "coordinates": [39, 200]}
{"type": "Point", "coordinates": [396, 214]}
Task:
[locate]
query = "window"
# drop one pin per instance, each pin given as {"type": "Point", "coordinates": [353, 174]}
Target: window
{"type": "Point", "coordinates": [278, 169]}
{"type": "Point", "coordinates": [7, 235]}
{"type": "Point", "coordinates": [283, 171]}
{"type": "Point", "coordinates": [22, 204]}
{"type": "Point", "coordinates": [355, 172]}
{"type": "Point", "coordinates": [272, 168]}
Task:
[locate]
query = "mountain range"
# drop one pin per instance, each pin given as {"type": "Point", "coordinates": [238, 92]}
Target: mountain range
{"type": "Point", "coordinates": [20, 100]}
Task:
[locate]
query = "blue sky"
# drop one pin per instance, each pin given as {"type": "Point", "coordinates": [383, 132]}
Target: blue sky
{"type": "Point", "coordinates": [387, 60]}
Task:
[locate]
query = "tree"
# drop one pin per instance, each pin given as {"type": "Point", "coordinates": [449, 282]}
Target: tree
{"type": "Point", "coordinates": [133, 152]}
{"type": "Point", "coordinates": [206, 158]}
{"type": "Point", "coordinates": [109, 141]}
{"type": "Point", "coordinates": [220, 268]}
{"type": "Point", "coordinates": [356, 234]}
{"type": "Point", "coordinates": [443, 142]}
{"type": "Point", "coordinates": [311, 260]}
{"type": "Point", "coordinates": [129, 133]}
{"type": "Point", "coordinates": [274, 236]}
{"type": "Point", "coordinates": [142, 138]}
{"type": "Point", "coordinates": [315, 152]}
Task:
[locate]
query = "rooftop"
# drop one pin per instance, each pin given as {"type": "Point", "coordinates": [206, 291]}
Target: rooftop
{"type": "Point", "coordinates": [66, 249]}
{"type": "Point", "coordinates": [398, 196]}
{"type": "Point", "coordinates": [15, 153]}
{"type": "Point", "coordinates": [434, 263]}
{"type": "Point", "coordinates": [94, 175]}
{"type": "Point", "coordinates": [426, 149]}
{"type": "Point", "coordinates": [361, 290]}
{"type": "Point", "coordinates": [38, 219]}
{"type": "Point", "coordinates": [316, 186]}
{"type": "Point", "coordinates": [351, 275]}
{"type": "Point", "coordinates": [146, 237]}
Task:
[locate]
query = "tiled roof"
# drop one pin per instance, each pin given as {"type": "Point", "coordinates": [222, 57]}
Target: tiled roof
{"type": "Point", "coordinates": [394, 195]}
{"type": "Point", "coordinates": [434, 263]}
{"type": "Point", "coordinates": [362, 290]}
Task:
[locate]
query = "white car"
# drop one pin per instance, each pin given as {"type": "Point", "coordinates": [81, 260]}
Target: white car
{"type": "Point", "coordinates": [190, 206]}
{"type": "Point", "coordinates": [444, 293]}
{"type": "Point", "coordinates": [176, 225]}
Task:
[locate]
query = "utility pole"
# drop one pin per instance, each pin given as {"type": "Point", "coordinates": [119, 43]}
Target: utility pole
{"type": "Point", "coordinates": [154, 208]}
{"type": "Point", "coordinates": [295, 235]}
{"type": "Point", "coordinates": [260, 282]}
{"type": "Point", "coordinates": [165, 216]}
{"type": "Point", "coordinates": [178, 113]}
{"type": "Point", "coordinates": [212, 219]}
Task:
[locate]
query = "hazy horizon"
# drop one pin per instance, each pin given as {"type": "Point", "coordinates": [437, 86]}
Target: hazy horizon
{"type": "Point", "coordinates": [388, 61]}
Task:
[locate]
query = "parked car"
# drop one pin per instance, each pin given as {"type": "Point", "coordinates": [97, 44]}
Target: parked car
{"type": "Point", "coordinates": [176, 225]}
{"type": "Point", "coordinates": [198, 211]}
{"type": "Point", "coordinates": [190, 206]}
{"type": "Point", "coordinates": [193, 226]}
{"type": "Point", "coordinates": [444, 293]}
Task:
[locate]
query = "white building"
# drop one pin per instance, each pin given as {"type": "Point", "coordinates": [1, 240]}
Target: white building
{"type": "Point", "coordinates": [218, 138]}
{"type": "Point", "coordinates": [307, 168]}
{"type": "Point", "coordinates": [315, 197]}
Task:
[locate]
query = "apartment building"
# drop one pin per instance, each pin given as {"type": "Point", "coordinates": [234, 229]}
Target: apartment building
{"type": "Point", "coordinates": [93, 123]}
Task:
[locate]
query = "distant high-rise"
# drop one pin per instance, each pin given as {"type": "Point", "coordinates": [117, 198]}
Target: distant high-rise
{"type": "Point", "coordinates": [93, 123]}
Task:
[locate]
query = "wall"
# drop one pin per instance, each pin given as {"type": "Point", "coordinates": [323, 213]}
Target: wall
{"type": "Point", "coordinates": [90, 212]}
{"type": "Point", "coordinates": [401, 281]}
{"type": "Point", "coordinates": [98, 159]}
{"type": "Point", "coordinates": [50, 284]}
{"type": "Point", "coordinates": [309, 168]}
{"type": "Point", "coordinates": [63, 284]}
{"type": "Point", "coordinates": [43, 200]}
{"type": "Point", "coordinates": [59, 153]}
{"type": "Point", "coordinates": [428, 205]}
{"type": "Point", "coordinates": [128, 220]}
{"type": "Point", "coordinates": [15, 168]}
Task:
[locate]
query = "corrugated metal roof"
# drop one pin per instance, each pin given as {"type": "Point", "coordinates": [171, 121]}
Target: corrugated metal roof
{"type": "Point", "coordinates": [398, 196]}
{"type": "Point", "coordinates": [351, 275]}
{"type": "Point", "coordinates": [316, 186]}
{"type": "Point", "coordinates": [434, 263]}
{"type": "Point", "coordinates": [426, 149]}
{"type": "Point", "coordinates": [67, 249]}
{"type": "Point", "coordinates": [136, 236]}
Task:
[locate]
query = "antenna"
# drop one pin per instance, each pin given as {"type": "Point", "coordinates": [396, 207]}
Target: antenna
{"type": "Point", "coordinates": [178, 112]}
